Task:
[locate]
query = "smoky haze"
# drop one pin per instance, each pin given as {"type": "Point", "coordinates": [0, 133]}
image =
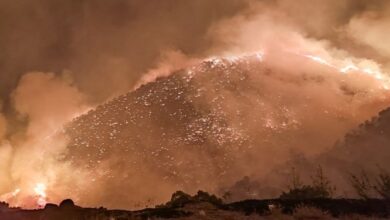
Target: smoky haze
{"type": "Point", "coordinates": [62, 58]}
{"type": "Point", "coordinates": [113, 42]}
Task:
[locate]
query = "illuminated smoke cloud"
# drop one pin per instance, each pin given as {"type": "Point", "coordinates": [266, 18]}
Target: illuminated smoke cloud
{"type": "Point", "coordinates": [30, 160]}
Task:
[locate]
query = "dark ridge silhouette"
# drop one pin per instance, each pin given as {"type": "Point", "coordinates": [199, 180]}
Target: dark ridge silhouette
{"type": "Point", "coordinates": [183, 205]}
{"type": "Point", "coordinates": [366, 148]}
{"type": "Point", "coordinates": [370, 138]}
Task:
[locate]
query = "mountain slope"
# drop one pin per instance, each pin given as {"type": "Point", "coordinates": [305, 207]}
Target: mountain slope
{"type": "Point", "coordinates": [366, 147]}
{"type": "Point", "coordinates": [209, 125]}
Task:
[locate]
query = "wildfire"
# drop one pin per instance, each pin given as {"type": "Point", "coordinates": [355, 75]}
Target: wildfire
{"type": "Point", "coordinates": [348, 68]}
{"type": "Point", "coordinates": [341, 66]}
{"type": "Point", "coordinates": [319, 60]}
{"type": "Point", "coordinates": [27, 198]}
{"type": "Point", "coordinates": [377, 74]}
{"type": "Point", "coordinates": [37, 195]}
{"type": "Point", "coordinates": [234, 58]}
{"type": "Point", "coordinates": [10, 195]}
{"type": "Point", "coordinates": [40, 191]}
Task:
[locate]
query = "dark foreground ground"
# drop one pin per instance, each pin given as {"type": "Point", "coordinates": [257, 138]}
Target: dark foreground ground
{"type": "Point", "coordinates": [204, 206]}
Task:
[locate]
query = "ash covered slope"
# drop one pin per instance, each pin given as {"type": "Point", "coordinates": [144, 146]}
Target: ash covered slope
{"type": "Point", "coordinates": [209, 125]}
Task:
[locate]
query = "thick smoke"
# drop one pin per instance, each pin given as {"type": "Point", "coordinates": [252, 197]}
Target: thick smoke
{"type": "Point", "coordinates": [337, 27]}
{"type": "Point", "coordinates": [370, 29]}
{"type": "Point", "coordinates": [86, 52]}
{"type": "Point", "coordinates": [345, 35]}
{"type": "Point", "coordinates": [48, 101]}
{"type": "Point", "coordinates": [4, 153]}
{"type": "Point", "coordinates": [108, 45]}
{"type": "Point", "coordinates": [31, 157]}
{"type": "Point", "coordinates": [170, 61]}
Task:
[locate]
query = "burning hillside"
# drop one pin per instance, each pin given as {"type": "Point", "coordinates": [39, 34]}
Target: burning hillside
{"type": "Point", "coordinates": [203, 125]}
{"type": "Point", "coordinates": [120, 103]}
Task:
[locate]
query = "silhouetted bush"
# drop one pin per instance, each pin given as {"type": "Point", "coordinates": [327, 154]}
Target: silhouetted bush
{"type": "Point", "coordinates": [382, 186]}
{"type": "Point", "coordinates": [50, 206]}
{"type": "Point", "coordinates": [362, 185]}
{"type": "Point", "coordinates": [67, 203]}
{"type": "Point", "coordinates": [366, 189]}
{"type": "Point", "coordinates": [179, 199]}
{"type": "Point", "coordinates": [206, 197]}
{"type": "Point", "coordinates": [305, 192]}
{"type": "Point", "coordinates": [3, 206]}
{"type": "Point", "coordinates": [319, 189]}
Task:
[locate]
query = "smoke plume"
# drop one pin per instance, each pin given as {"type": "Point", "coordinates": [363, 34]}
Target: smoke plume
{"type": "Point", "coordinates": [31, 157]}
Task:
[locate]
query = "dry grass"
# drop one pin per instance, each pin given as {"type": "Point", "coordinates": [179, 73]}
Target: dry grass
{"type": "Point", "coordinates": [206, 212]}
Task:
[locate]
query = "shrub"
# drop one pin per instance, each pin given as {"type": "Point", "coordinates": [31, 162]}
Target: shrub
{"type": "Point", "coordinates": [366, 190]}
{"type": "Point", "coordinates": [206, 197]}
{"type": "Point", "coordinates": [322, 184]}
{"type": "Point", "coordinates": [320, 187]}
{"type": "Point", "coordinates": [179, 199]}
{"type": "Point", "coordinates": [382, 186]}
{"type": "Point", "coordinates": [67, 204]}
